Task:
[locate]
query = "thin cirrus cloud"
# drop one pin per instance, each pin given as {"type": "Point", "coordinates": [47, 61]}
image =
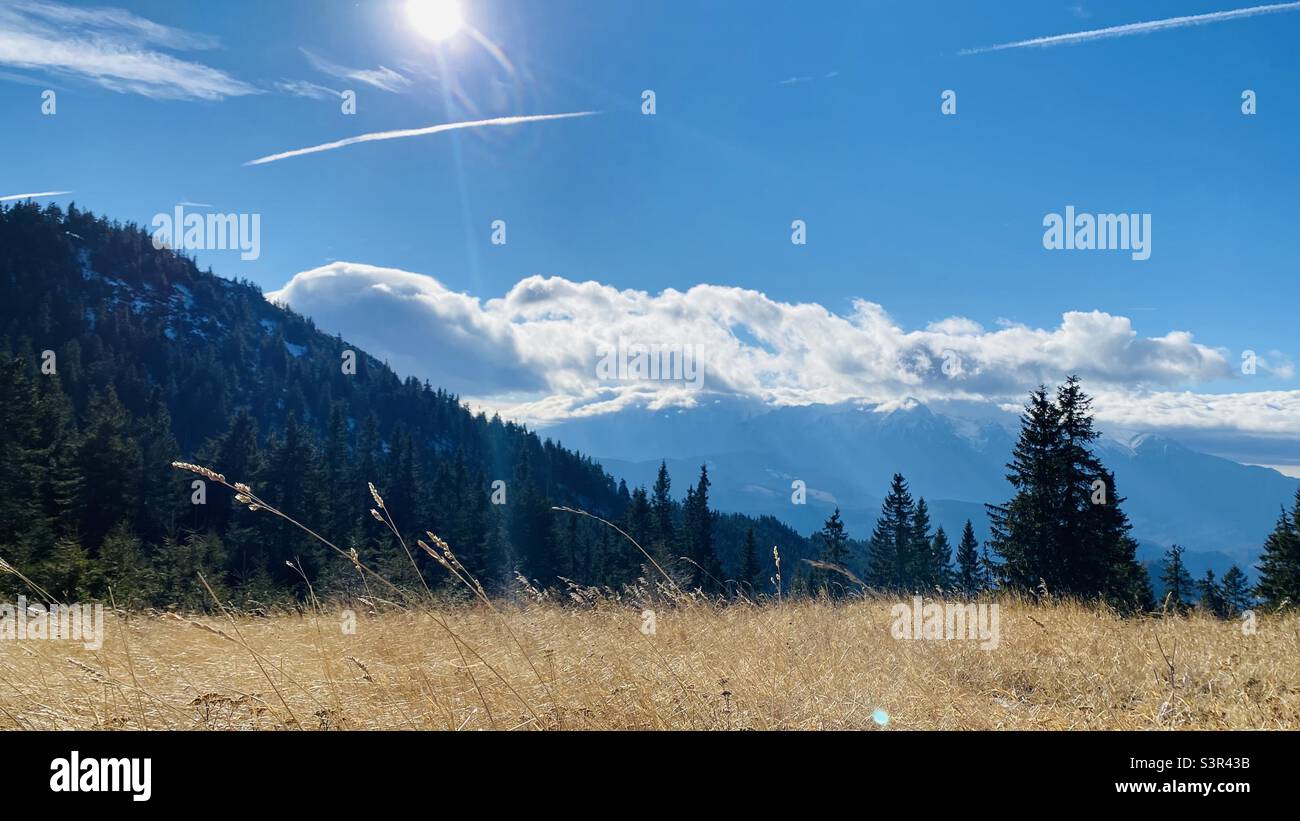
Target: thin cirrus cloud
{"type": "Point", "coordinates": [32, 196]}
{"type": "Point", "coordinates": [417, 132]}
{"type": "Point", "coordinates": [1131, 29]}
{"type": "Point", "coordinates": [112, 48]}
{"type": "Point", "coordinates": [381, 77]}
{"type": "Point", "coordinates": [303, 88]}
{"type": "Point", "coordinates": [532, 354]}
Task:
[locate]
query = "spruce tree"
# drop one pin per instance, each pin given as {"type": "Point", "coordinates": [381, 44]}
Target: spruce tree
{"type": "Point", "coordinates": [640, 525]}
{"type": "Point", "coordinates": [335, 468]}
{"type": "Point", "coordinates": [970, 576]}
{"type": "Point", "coordinates": [292, 485]}
{"type": "Point", "coordinates": [990, 569]}
{"type": "Point", "coordinates": [128, 572]}
{"type": "Point", "coordinates": [1236, 591]}
{"type": "Point", "coordinates": [889, 557]}
{"type": "Point", "coordinates": [835, 550]}
{"type": "Point", "coordinates": [530, 528]}
{"type": "Point", "coordinates": [1212, 598]}
{"type": "Point", "coordinates": [1025, 530]}
{"type": "Point", "coordinates": [23, 509]}
{"type": "Point", "coordinates": [1176, 579]}
{"type": "Point", "coordinates": [1064, 528]}
{"type": "Point", "coordinates": [1279, 565]}
{"type": "Point", "coordinates": [662, 506]}
{"type": "Point", "coordinates": [750, 576]}
{"type": "Point", "coordinates": [941, 561]}
{"type": "Point", "coordinates": [161, 497]}
{"type": "Point", "coordinates": [108, 461]}
{"type": "Point", "coordinates": [920, 571]}
{"type": "Point", "coordinates": [705, 570]}
{"type": "Point", "coordinates": [69, 573]}
{"type": "Point", "coordinates": [1117, 575]}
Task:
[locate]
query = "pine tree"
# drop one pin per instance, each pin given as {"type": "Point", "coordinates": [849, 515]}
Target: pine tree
{"type": "Point", "coordinates": [162, 494]}
{"type": "Point", "coordinates": [129, 574]}
{"type": "Point", "coordinates": [1212, 596]}
{"type": "Point", "coordinates": [705, 569]}
{"type": "Point", "coordinates": [1176, 579]}
{"type": "Point", "coordinates": [751, 580]}
{"type": "Point", "coordinates": [1236, 591]}
{"type": "Point", "coordinates": [662, 505]}
{"type": "Point", "coordinates": [334, 475]}
{"type": "Point", "coordinates": [941, 561]}
{"type": "Point", "coordinates": [1064, 528]}
{"type": "Point", "coordinates": [1024, 531]}
{"type": "Point", "coordinates": [22, 507]}
{"type": "Point", "coordinates": [1118, 577]}
{"type": "Point", "coordinates": [182, 562]}
{"type": "Point", "coordinates": [888, 561]}
{"type": "Point", "coordinates": [835, 551]}
{"type": "Point", "coordinates": [990, 569]}
{"type": "Point", "coordinates": [919, 563]}
{"type": "Point", "coordinates": [970, 576]}
{"type": "Point", "coordinates": [236, 454]}
{"type": "Point", "coordinates": [627, 562]}
{"type": "Point", "coordinates": [1279, 565]}
{"type": "Point", "coordinates": [69, 573]}
{"type": "Point", "coordinates": [293, 486]}
{"type": "Point", "coordinates": [530, 527]}
{"type": "Point", "coordinates": [108, 461]}
{"type": "Point", "coordinates": [403, 488]}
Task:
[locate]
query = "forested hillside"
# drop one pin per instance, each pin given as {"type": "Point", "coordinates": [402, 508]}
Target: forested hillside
{"type": "Point", "coordinates": [119, 358]}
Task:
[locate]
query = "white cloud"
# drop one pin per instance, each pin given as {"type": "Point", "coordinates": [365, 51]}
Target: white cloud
{"type": "Point", "coordinates": [112, 48]}
{"type": "Point", "coordinates": [1260, 413]}
{"type": "Point", "coordinates": [418, 326]}
{"type": "Point", "coordinates": [956, 326]}
{"type": "Point", "coordinates": [302, 88]}
{"type": "Point", "coordinates": [532, 353]}
{"type": "Point", "coordinates": [140, 29]}
{"type": "Point", "coordinates": [381, 77]}
{"type": "Point", "coordinates": [1130, 29]}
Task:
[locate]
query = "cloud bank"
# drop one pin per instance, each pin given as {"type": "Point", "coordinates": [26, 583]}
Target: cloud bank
{"type": "Point", "coordinates": [534, 353]}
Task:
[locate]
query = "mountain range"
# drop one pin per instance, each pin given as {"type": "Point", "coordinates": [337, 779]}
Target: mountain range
{"type": "Point", "coordinates": [953, 455]}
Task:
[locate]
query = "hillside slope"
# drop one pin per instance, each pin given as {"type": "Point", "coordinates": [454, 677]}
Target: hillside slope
{"type": "Point", "coordinates": [121, 358]}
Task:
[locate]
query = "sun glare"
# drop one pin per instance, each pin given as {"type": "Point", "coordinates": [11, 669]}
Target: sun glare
{"type": "Point", "coordinates": [435, 19]}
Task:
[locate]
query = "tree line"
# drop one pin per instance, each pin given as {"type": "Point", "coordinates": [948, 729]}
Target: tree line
{"type": "Point", "coordinates": [1063, 532]}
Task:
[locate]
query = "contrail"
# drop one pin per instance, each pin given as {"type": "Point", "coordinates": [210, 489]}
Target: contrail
{"type": "Point", "coordinates": [416, 132]}
{"type": "Point", "coordinates": [1138, 28]}
{"type": "Point", "coordinates": [33, 196]}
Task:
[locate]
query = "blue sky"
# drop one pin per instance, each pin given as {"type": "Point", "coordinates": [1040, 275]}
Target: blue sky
{"type": "Point", "coordinates": [766, 112]}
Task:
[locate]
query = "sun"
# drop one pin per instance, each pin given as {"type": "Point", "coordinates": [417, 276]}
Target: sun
{"type": "Point", "coordinates": [435, 19]}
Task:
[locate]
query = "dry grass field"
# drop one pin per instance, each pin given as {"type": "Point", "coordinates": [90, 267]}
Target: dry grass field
{"type": "Point", "coordinates": [778, 665]}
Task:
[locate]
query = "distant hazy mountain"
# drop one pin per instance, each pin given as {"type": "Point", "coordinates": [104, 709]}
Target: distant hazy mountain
{"type": "Point", "coordinates": [1219, 510]}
